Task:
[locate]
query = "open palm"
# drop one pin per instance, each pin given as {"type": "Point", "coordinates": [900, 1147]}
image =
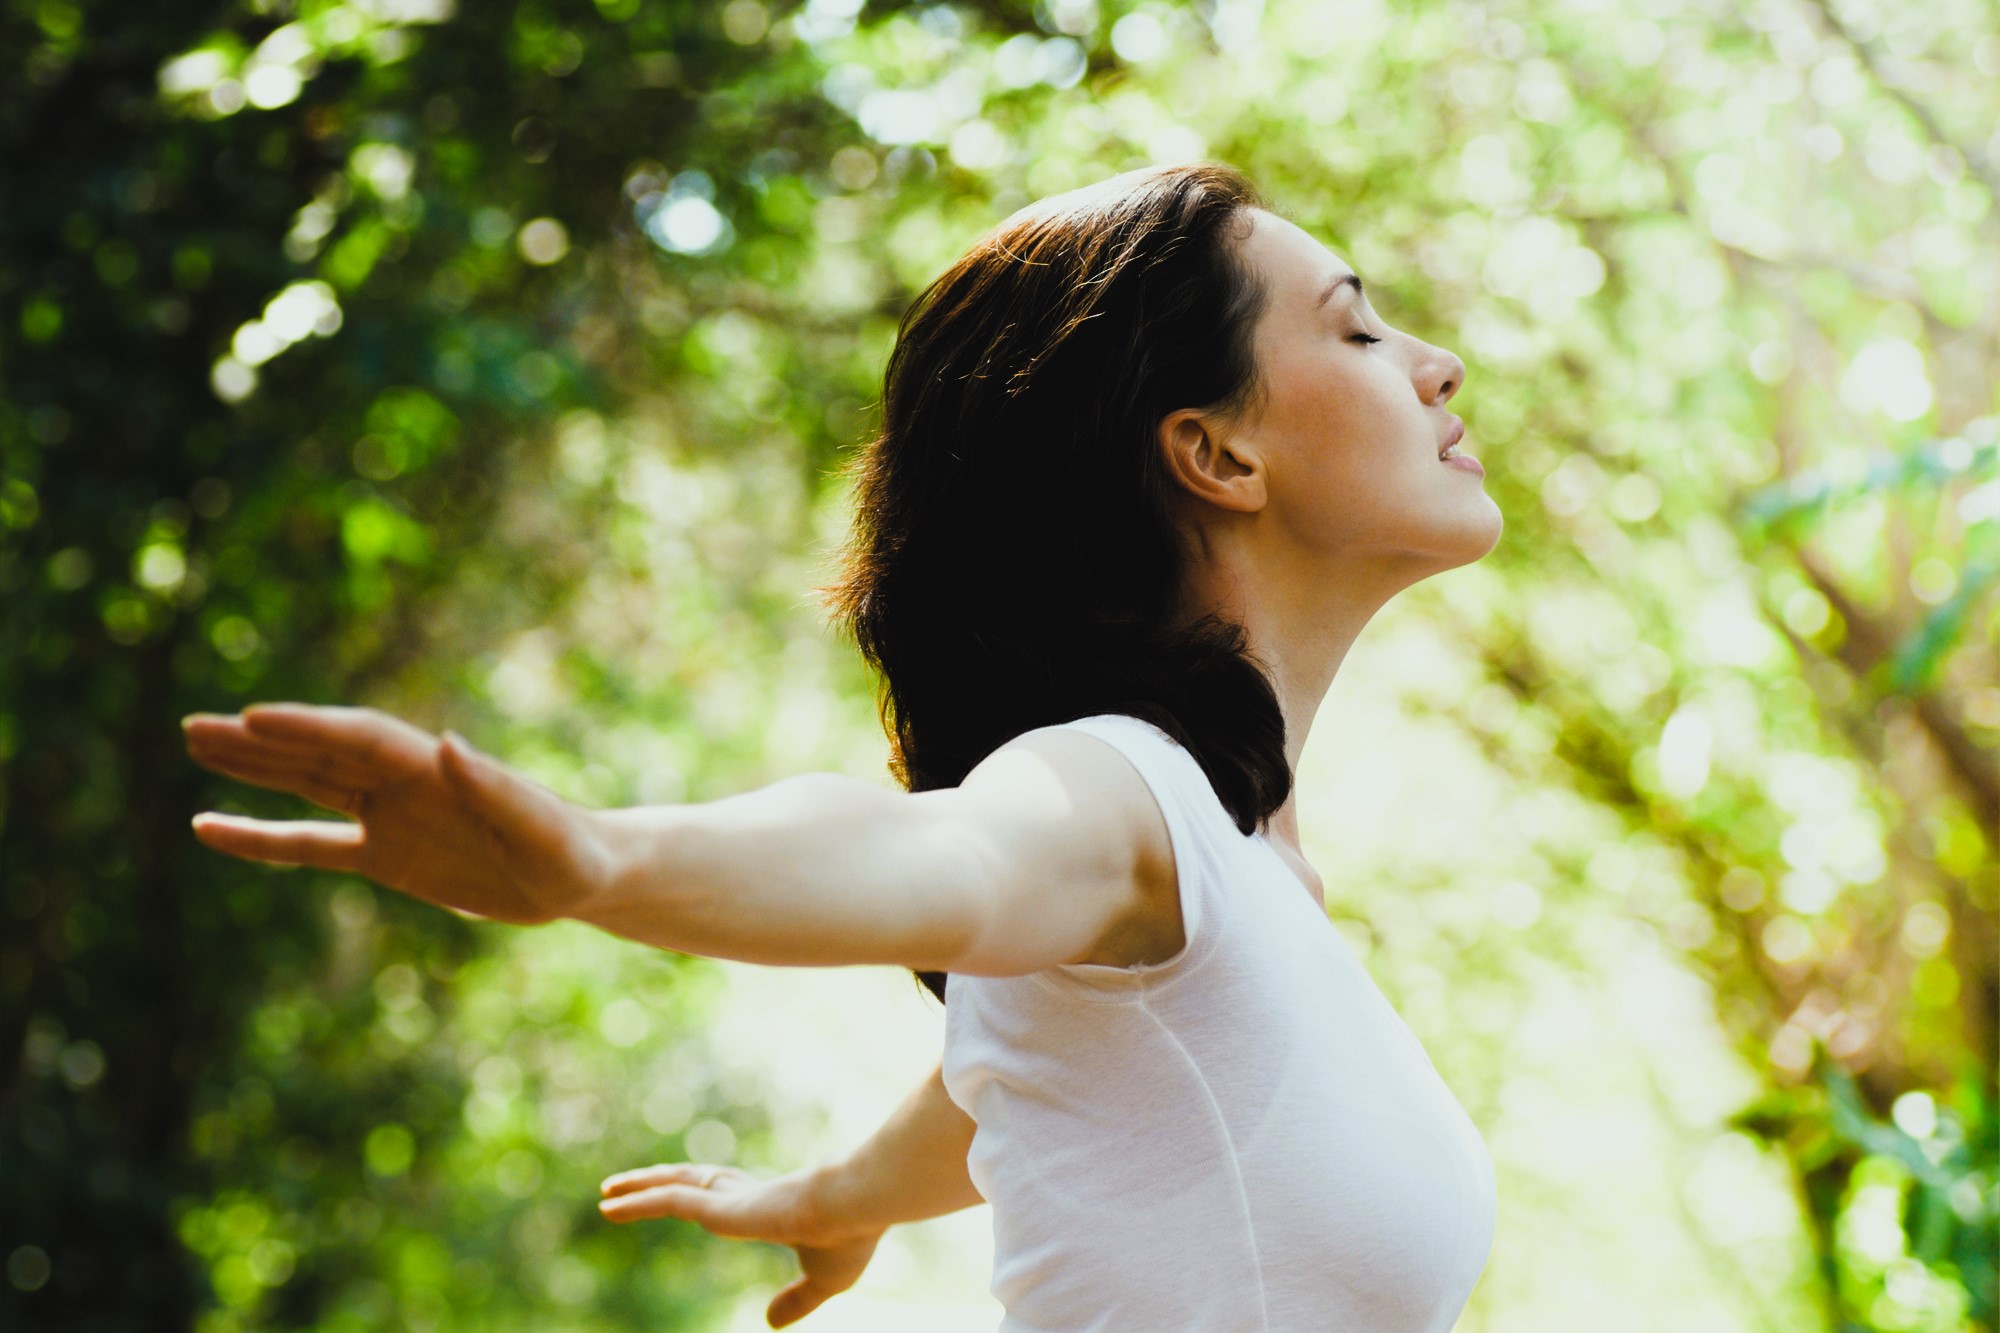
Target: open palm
{"type": "Point", "coordinates": [729, 1202]}
{"type": "Point", "coordinates": [431, 816]}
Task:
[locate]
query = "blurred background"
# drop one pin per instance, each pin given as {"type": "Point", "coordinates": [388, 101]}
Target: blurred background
{"type": "Point", "coordinates": [490, 364]}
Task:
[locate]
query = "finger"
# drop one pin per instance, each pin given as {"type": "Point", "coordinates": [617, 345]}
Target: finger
{"type": "Point", "coordinates": [363, 735]}
{"type": "Point", "coordinates": [690, 1203]}
{"type": "Point", "coordinates": [795, 1303]}
{"type": "Point", "coordinates": [231, 737]}
{"type": "Point", "coordinates": [302, 778]}
{"type": "Point", "coordinates": [209, 735]}
{"type": "Point", "coordinates": [665, 1173]}
{"type": "Point", "coordinates": [311, 842]}
{"type": "Point", "coordinates": [674, 1200]}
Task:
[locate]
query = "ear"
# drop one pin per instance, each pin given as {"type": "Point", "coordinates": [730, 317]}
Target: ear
{"type": "Point", "coordinates": [1209, 467]}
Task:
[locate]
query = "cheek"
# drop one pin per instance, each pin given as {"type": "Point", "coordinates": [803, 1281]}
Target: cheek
{"type": "Point", "coordinates": [1350, 470]}
{"type": "Point", "coordinates": [1328, 484]}
{"type": "Point", "coordinates": [1340, 422]}
{"type": "Point", "coordinates": [1315, 393]}
{"type": "Point", "coordinates": [1344, 457]}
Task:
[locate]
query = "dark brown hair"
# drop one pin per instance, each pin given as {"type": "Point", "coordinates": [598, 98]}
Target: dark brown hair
{"type": "Point", "coordinates": [1014, 561]}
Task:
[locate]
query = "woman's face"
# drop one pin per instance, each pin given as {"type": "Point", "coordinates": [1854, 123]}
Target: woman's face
{"type": "Point", "coordinates": [1352, 424]}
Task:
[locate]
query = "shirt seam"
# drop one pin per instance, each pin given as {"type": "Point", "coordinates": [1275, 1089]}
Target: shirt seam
{"type": "Point", "coordinates": [1235, 1165]}
{"type": "Point", "coordinates": [1115, 990]}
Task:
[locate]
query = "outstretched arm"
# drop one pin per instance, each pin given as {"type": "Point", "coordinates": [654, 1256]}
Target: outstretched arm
{"type": "Point", "coordinates": [1032, 861]}
{"type": "Point", "coordinates": [910, 1169]}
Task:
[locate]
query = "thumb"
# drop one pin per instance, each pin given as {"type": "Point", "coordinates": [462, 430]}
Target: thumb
{"type": "Point", "coordinates": [476, 779]}
{"type": "Point", "coordinates": [465, 765]}
{"type": "Point", "coordinates": [794, 1303]}
{"type": "Point", "coordinates": [465, 762]}
{"type": "Point", "coordinates": [489, 785]}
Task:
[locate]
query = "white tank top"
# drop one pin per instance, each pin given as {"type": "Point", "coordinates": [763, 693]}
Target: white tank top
{"type": "Point", "coordinates": [1243, 1136]}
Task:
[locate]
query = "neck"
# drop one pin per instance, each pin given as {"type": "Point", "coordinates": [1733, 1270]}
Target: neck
{"type": "Point", "coordinates": [1300, 624]}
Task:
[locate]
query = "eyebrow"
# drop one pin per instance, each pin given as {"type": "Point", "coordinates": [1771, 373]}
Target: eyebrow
{"type": "Point", "coordinates": [1344, 280]}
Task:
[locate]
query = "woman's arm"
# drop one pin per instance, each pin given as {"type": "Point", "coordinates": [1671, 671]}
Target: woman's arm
{"type": "Point", "coordinates": [1049, 851]}
{"type": "Point", "coordinates": [910, 1169]}
{"type": "Point", "coordinates": [821, 869]}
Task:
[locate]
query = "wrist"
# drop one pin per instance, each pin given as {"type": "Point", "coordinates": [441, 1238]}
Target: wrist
{"type": "Point", "coordinates": [830, 1199]}
{"type": "Point", "coordinates": [617, 846]}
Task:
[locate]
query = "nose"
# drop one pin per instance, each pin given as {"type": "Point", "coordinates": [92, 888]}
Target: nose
{"type": "Point", "coordinates": [1440, 375]}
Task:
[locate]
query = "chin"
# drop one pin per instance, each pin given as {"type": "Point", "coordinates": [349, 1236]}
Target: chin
{"type": "Point", "coordinates": [1471, 543]}
{"type": "Point", "coordinates": [1497, 528]}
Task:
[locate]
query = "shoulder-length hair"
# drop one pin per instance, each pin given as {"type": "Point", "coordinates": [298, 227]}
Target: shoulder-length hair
{"type": "Point", "coordinates": [1014, 561]}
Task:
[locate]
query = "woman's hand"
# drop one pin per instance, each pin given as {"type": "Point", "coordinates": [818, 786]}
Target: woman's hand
{"type": "Point", "coordinates": [433, 817]}
{"type": "Point", "coordinates": [729, 1202]}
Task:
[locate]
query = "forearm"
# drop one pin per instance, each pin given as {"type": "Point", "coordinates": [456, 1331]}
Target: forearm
{"type": "Point", "coordinates": [821, 870]}
{"type": "Point", "coordinates": [912, 1168]}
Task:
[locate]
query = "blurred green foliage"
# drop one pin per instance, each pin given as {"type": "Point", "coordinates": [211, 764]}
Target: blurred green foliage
{"type": "Point", "coordinates": [298, 299]}
{"type": "Point", "coordinates": [489, 364]}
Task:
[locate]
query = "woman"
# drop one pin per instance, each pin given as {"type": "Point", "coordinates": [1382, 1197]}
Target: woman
{"type": "Point", "coordinates": [1149, 462]}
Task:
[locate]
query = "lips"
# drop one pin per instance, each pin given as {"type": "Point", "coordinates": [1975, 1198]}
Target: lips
{"type": "Point", "coordinates": [1452, 437]}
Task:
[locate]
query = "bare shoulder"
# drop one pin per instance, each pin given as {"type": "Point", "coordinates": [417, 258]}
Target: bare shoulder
{"type": "Point", "coordinates": [1070, 814]}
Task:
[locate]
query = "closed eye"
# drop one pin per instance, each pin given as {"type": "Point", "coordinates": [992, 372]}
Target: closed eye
{"type": "Point", "coordinates": [1364, 338]}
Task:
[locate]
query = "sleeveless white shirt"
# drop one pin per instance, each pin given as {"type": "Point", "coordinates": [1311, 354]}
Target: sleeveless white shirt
{"type": "Point", "coordinates": [1243, 1136]}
